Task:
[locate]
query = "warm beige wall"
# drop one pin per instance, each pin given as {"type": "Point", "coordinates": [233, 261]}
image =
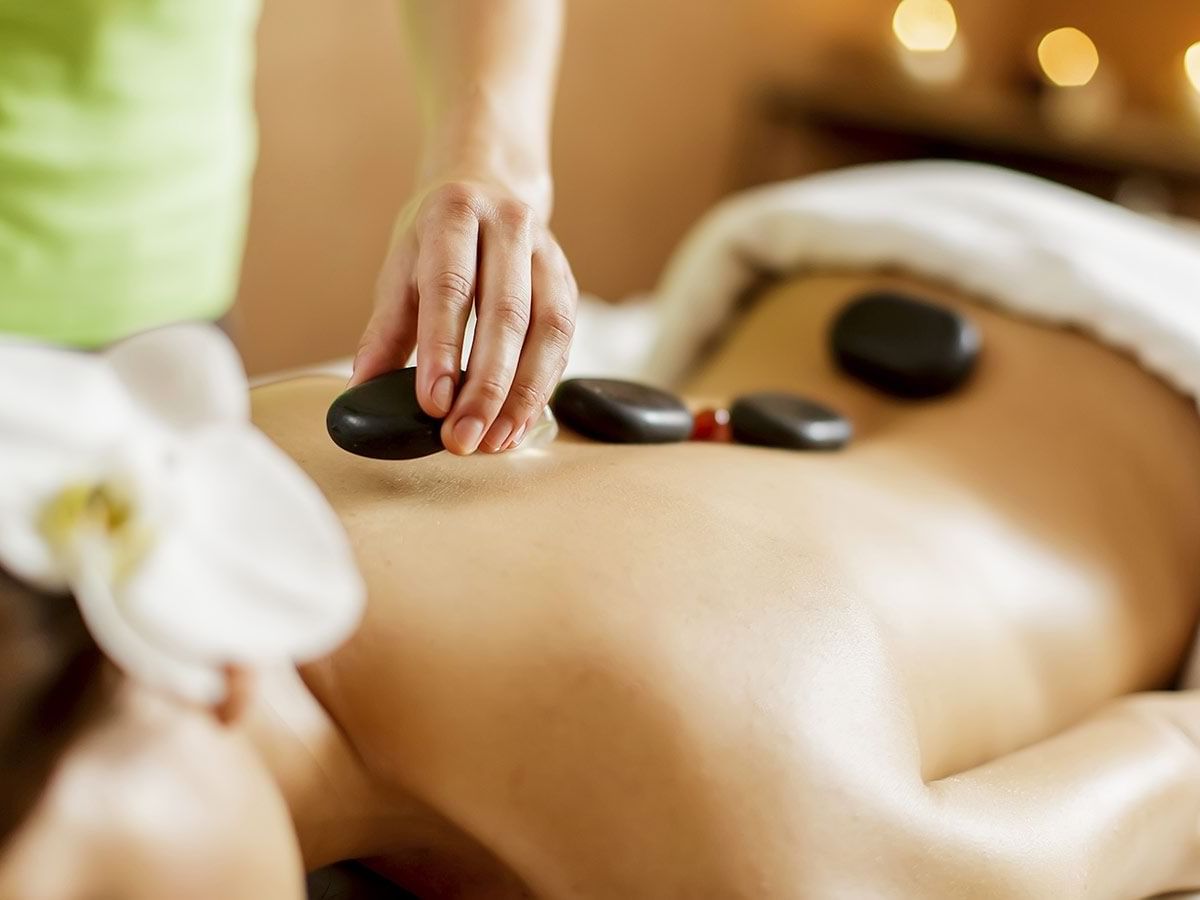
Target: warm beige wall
{"type": "Point", "coordinates": [335, 158]}
{"type": "Point", "coordinates": [647, 116]}
{"type": "Point", "coordinates": [652, 106]}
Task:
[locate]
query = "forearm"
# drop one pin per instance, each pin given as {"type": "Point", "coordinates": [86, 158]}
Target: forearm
{"type": "Point", "coordinates": [1108, 808]}
{"type": "Point", "coordinates": [486, 72]}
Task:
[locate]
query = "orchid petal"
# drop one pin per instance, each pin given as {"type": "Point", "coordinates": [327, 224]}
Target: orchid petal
{"type": "Point", "coordinates": [59, 410]}
{"type": "Point", "coordinates": [25, 555]}
{"type": "Point", "coordinates": [138, 657]}
{"type": "Point", "coordinates": [183, 376]}
{"type": "Point", "coordinates": [64, 401]}
{"type": "Point", "coordinates": [196, 542]}
{"type": "Point", "coordinates": [257, 567]}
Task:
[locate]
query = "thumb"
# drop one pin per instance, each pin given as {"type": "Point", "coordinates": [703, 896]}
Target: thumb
{"type": "Point", "coordinates": [387, 341]}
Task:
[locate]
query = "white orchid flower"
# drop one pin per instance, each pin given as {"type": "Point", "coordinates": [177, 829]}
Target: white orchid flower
{"type": "Point", "coordinates": [134, 480]}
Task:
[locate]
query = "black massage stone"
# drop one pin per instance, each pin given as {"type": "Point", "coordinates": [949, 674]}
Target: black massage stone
{"type": "Point", "coordinates": [621, 412]}
{"type": "Point", "coordinates": [381, 419]}
{"type": "Point", "coordinates": [903, 346]}
{"type": "Point", "coordinates": [787, 421]}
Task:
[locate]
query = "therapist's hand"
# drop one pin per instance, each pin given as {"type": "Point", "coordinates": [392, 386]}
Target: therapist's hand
{"type": "Point", "coordinates": [464, 243]}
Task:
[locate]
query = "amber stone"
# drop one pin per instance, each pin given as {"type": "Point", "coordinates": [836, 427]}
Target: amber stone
{"type": "Point", "coordinates": [712, 425]}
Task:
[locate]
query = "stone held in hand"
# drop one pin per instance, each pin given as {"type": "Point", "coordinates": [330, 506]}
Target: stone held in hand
{"type": "Point", "coordinates": [788, 421]}
{"type": "Point", "coordinates": [381, 419]}
{"type": "Point", "coordinates": [621, 412]}
{"type": "Point", "coordinates": [903, 346]}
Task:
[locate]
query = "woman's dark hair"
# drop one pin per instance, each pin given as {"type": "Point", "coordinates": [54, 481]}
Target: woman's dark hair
{"type": "Point", "coordinates": [51, 686]}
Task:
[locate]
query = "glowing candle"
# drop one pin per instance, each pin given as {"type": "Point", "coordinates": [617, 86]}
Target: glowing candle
{"type": "Point", "coordinates": [928, 42]}
{"type": "Point", "coordinates": [1083, 100]}
{"type": "Point", "coordinates": [1191, 65]}
{"type": "Point", "coordinates": [925, 25]}
{"type": "Point", "coordinates": [1068, 57]}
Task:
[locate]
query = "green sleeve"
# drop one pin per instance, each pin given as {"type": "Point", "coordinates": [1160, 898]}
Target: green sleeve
{"type": "Point", "coordinates": [126, 147]}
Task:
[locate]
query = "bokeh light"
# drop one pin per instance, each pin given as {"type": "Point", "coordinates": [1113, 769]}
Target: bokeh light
{"type": "Point", "coordinates": [1191, 65]}
{"type": "Point", "coordinates": [925, 25]}
{"type": "Point", "coordinates": [1068, 57]}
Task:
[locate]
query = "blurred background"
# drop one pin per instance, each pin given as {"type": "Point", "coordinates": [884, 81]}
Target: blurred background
{"type": "Point", "coordinates": [664, 106]}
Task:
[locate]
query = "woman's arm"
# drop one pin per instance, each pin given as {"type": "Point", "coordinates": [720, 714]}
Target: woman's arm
{"type": "Point", "coordinates": [475, 232]}
{"type": "Point", "coordinates": [1108, 808]}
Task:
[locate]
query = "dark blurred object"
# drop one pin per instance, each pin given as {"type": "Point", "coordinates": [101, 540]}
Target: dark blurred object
{"type": "Point", "coordinates": [788, 422]}
{"type": "Point", "coordinates": [621, 412]}
{"type": "Point", "coordinates": [904, 346]}
{"type": "Point", "coordinates": [873, 113]}
{"type": "Point", "coordinates": [350, 881]}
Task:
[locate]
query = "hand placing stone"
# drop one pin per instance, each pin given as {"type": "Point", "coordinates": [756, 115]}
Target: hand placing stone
{"type": "Point", "coordinates": [787, 421]}
{"type": "Point", "coordinates": [621, 412]}
{"type": "Point", "coordinates": [381, 419]}
{"type": "Point", "coordinates": [903, 346]}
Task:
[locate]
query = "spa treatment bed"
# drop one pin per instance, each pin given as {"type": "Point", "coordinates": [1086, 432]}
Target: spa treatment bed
{"type": "Point", "coordinates": [1054, 269]}
{"type": "Point", "coordinates": [940, 662]}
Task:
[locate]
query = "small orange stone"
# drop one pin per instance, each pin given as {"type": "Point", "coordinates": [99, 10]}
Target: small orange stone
{"type": "Point", "coordinates": [712, 425]}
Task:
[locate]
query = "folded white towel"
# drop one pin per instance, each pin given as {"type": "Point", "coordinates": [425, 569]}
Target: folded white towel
{"type": "Point", "coordinates": [1029, 246]}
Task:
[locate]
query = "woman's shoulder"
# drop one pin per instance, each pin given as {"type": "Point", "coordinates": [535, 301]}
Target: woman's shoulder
{"type": "Point", "coordinates": [147, 802]}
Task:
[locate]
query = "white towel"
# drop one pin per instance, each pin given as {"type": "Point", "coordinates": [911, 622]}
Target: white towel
{"type": "Point", "coordinates": [1026, 245]}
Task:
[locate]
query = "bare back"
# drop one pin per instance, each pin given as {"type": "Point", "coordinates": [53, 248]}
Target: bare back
{"type": "Point", "coordinates": [565, 650]}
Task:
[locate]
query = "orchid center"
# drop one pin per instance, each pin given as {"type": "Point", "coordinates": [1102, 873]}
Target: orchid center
{"type": "Point", "coordinates": [95, 510]}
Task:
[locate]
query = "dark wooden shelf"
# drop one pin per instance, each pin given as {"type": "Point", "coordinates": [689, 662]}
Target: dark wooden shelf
{"type": "Point", "coordinates": [971, 124]}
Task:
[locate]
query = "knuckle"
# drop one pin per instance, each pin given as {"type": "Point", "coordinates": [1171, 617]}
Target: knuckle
{"type": "Point", "coordinates": [515, 215]}
{"type": "Point", "coordinates": [455, 201]}
{"type": "Point", "coordinates": [512, 314]}
{"type": "Point", "coordinates": [492, 391]}
{"type": "Point", "coordinates": [443, 347]}
{"type": "Point", "coordinates": [526, 396]}
{"type": "Point", "coordinates": [453, 288]}
{"type": "Point", "coordinates": [559, 326]}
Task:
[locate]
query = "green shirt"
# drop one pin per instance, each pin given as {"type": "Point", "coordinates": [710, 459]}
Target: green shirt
{"type": "Point", "coordinates": [126, 146]}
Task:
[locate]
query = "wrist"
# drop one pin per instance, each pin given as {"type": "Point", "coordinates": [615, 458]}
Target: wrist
{"type": "Point", "coordinates": [483, 146]}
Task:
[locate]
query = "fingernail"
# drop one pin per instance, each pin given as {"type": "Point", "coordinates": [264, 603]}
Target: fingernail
{"type": "Point", "coordinates": [443, 394]}
{"type": "Point", "coordinates": [467, 432]}
{"type": "Point", "coordinates": [516, 439]}
{"type": "Point", "coordinates": [498, 436]}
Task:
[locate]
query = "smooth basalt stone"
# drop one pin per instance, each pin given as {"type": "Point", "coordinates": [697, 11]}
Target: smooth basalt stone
{"type": "Point", "coordinates": [381, 419]}
{"type": "Point", "coordinates": [621, 412]}
{"type": "Point", "coordinates": [786, 420]}
{"type": "Point", "coordinates": [904, 346]}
